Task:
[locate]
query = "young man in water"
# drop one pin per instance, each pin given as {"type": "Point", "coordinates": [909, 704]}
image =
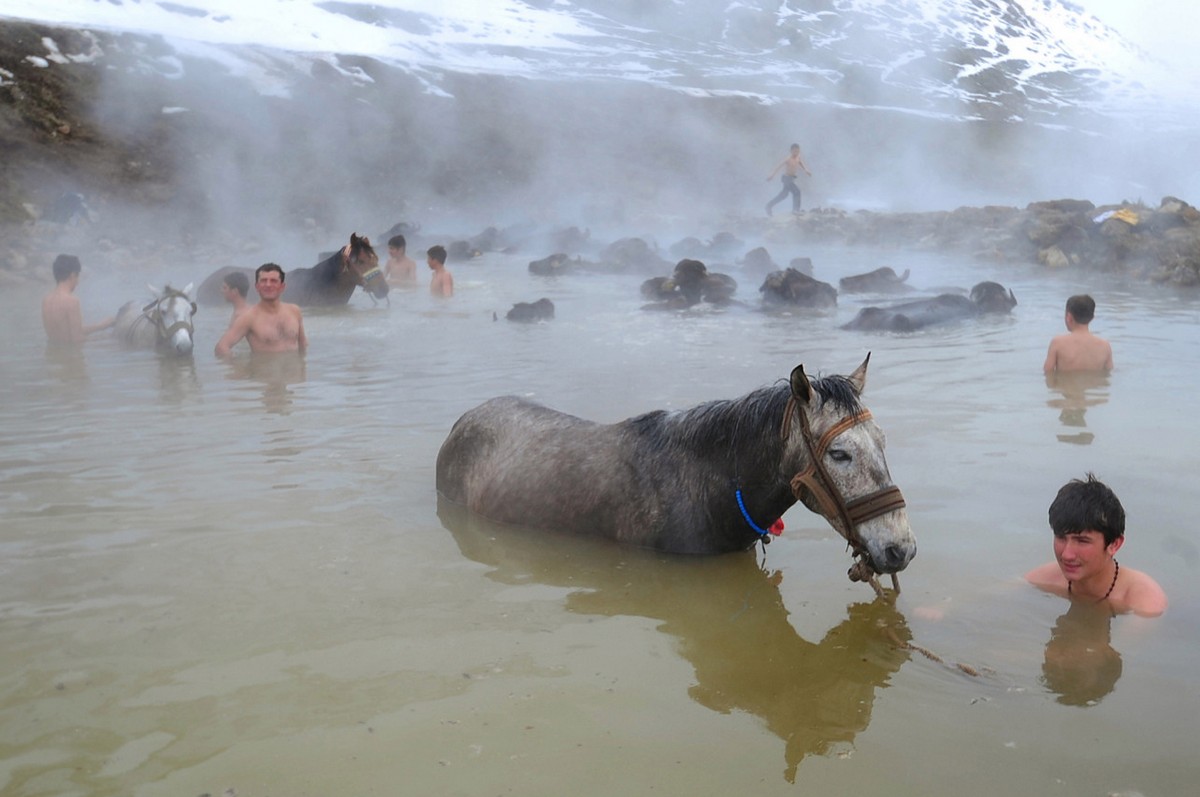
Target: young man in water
{"type": "Point", "coordinates": [1079, 349]}
{"type": "Point", "coordinates": [1089, 528]}
{"type": "Point", "coordinates": [401, 270]}
{"type": "Point", "coordinates": [272, 325]}
{"type": "Point", "coordinates": [234, 287]}
{"type": "Point", "coordinates": [791, 166]}
{"type": "Point", "coordinates": [62, 315]}
{"type": "Point", "coordinates": [442, 284]}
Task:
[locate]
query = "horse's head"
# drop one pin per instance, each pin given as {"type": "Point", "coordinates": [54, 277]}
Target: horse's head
{"type": "Point", "coordinates": [837, 452]}
{"type": "Point", "coordinates": [171, 313]}
{"type": "Point", "coordinates": [991, 297]}
{"type": "Point", "coordinates": [361, 261]}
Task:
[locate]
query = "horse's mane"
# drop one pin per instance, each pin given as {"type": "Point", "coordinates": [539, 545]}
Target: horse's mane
{"type": "Point", "coordinates": [754, 419]}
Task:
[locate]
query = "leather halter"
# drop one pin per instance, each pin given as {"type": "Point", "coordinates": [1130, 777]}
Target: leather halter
{"type": "Point", "coordinates": [153, 314]}
{"type": "Point", "coordinates": [362, 277]}
{"type": "Point", "coordinates": [845, 516]}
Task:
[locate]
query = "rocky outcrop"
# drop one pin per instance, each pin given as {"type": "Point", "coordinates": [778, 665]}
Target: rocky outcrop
{"type": "Point", "coordinates": [1161, 244]}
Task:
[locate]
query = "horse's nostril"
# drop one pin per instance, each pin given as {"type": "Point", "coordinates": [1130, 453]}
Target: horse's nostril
{"type": "Point", "coordinates": [895, 555]}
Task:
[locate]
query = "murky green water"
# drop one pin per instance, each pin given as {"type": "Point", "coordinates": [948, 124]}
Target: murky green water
{"type": "Point", "coordinates": [237, 577]}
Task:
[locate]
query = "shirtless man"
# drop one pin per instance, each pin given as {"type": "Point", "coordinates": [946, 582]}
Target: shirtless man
{"type": "Point", "coordinates": [62, 315]}
{"type": "Point", "coordinates": [1079, 349]}
{"type": "Point", "coordinates": [1089, 528]}
{"type": "Point", "coordinates": [791, 166]}
{"type": "Point", "coordinates": [271, 325]}
{"type": "Point", "coordinates": [234, 287]}
{"type": "Point", "coordinates": [401, 270]}
{"type": "Point", "coordinates": [442, 284]}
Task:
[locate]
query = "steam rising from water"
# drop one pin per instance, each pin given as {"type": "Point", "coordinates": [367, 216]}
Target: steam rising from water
{"type": "Point", "coordinates": [635, 121]}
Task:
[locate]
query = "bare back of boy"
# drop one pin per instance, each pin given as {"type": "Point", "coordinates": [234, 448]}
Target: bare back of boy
{"type": "Point", "coordinates": [62, 318]}
{"type": "Point", "coordinates": [1079, 350]}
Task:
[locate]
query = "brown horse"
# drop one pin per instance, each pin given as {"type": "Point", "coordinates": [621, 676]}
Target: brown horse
{"type": "Point", "coordinates": [327, 284]}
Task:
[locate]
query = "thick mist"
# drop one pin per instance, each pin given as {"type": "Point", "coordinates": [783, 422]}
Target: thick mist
{"type": "Point", "coordinates": [304, 150]}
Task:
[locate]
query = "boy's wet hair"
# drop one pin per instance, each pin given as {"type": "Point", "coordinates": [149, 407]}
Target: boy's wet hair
{"type": "Point", "coordinates": [398, 242]}
{"type": "Point", "coordinates": [64, 266]}
{"type": "Point", "coordinates": [1082, 308]}
{"type": "Point", "coordinates": [438, 253]}
{"type": "Point", "coordinates": [238, 281]}
{"type": "Point", "coordinates": [1087, 505]}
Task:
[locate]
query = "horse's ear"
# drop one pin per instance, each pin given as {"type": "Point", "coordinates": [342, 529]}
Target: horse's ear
{"type": "Point", "coordinates": [859, 377]}
{"type": "Point", "coordinates": [188, 290]}
{"type": "Point", "coordinates": [152, 289]}
{"type": "Point", "coordinates": [801, 389]}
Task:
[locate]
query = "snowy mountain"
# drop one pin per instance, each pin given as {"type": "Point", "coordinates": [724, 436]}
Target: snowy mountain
{"type": "Point", "coordinates": [290, 111]}
{"type": "Point", "coordinates": [989, 58]}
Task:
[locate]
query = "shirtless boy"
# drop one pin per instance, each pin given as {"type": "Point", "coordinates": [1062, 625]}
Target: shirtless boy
{"type": "Point", "coordinates": [271, 325]}
{"type": "Point", "coordinates": [234, 287]}
{"type": "Point", "coordinates": [1079, 349]}
{"type": "Point", "coordinates": [442, 284]}
{"type": "Point", "coordinates": [401, 270]}
{"type": "Point", "coordinates": [1089, 528]}
{"type": "Point", "coordinates": [62, 315]}
{"type": "Point", "coordinates": [791, 166]}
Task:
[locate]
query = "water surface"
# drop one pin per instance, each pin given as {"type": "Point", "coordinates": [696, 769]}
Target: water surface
{"type": "Point", "coordinates": [221, 576]}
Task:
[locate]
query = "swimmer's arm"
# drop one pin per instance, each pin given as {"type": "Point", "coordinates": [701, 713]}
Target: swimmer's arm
{"type": "Point", "coordinates": [237, 330]}
{"type": "Point", "coordinates": [103, 325]}
{"type": "Point", "coordinates": [1051, 358]}
{"type": "Point", "coordinates": [301, 339]}
{"type": "Point", "coordinates": [804, 165]}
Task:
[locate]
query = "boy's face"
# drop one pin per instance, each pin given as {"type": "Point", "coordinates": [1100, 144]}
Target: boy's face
{"type": "Point", "coordinates": [433, 264]}
{"type": "Point", "coordinates": [395, 252]}
{"type": "Point", "coordinates": [1083, 553]}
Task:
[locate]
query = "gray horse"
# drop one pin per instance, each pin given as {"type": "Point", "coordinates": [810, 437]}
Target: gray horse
{"type": "Point", "coordinates": [707, 480]}
{"type": "Point", "coordinates": [165, 323]}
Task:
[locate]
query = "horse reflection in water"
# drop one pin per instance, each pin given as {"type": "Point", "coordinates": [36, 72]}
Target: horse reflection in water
{"type": "Point", "coordinates": [730, 622]}
{"type": "Point", "coordinates": [711, 479]}
{"type": "Point", "coordinates": [165, 323]}
{"type": "Point", "coordinates": [330, 283]}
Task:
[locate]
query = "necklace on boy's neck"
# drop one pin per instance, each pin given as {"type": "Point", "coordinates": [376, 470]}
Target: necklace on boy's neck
{"type": "Point", "coordinates": [1116, 572]}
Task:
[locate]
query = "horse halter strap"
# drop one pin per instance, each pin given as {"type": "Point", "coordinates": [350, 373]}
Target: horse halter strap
{"type": "Point", "coordinates": [815, 478]}
{"type": "Point", "coordinates": [155, 315]}
{"type": "Point", "coordinates": [365, 276]}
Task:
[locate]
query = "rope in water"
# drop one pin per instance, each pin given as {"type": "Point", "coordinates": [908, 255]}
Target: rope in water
{"type": "Point", "coordinates": [929, 654]}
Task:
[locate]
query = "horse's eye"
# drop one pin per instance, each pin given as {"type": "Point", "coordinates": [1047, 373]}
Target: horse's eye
{"type": "Point", "coordinates": [838, 455]}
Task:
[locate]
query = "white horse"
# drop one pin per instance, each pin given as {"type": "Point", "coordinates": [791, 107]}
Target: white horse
{"type": "Point", "coordinates": [165, 323]}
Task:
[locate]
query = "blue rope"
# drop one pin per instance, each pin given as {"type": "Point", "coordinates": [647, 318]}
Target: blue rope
{"type": "Point", "coordinates": [742, 506]}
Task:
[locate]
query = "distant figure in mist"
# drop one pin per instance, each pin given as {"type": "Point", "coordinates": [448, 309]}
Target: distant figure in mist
{"type": "Point", "coordinates": [442, 284]}
{"type": "Point", "coordinates": [272, 325]}
{"type": "Point", "coordinates": [234, 287]}
{"type": "Point", "coordinates": [790, 166]}
{"type": "Point", "coordinates": [401, 270]}
{"type": "Point", "coordinates": [1079, 349]}
{"type": "Point", "coordinates": [62, 314]}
